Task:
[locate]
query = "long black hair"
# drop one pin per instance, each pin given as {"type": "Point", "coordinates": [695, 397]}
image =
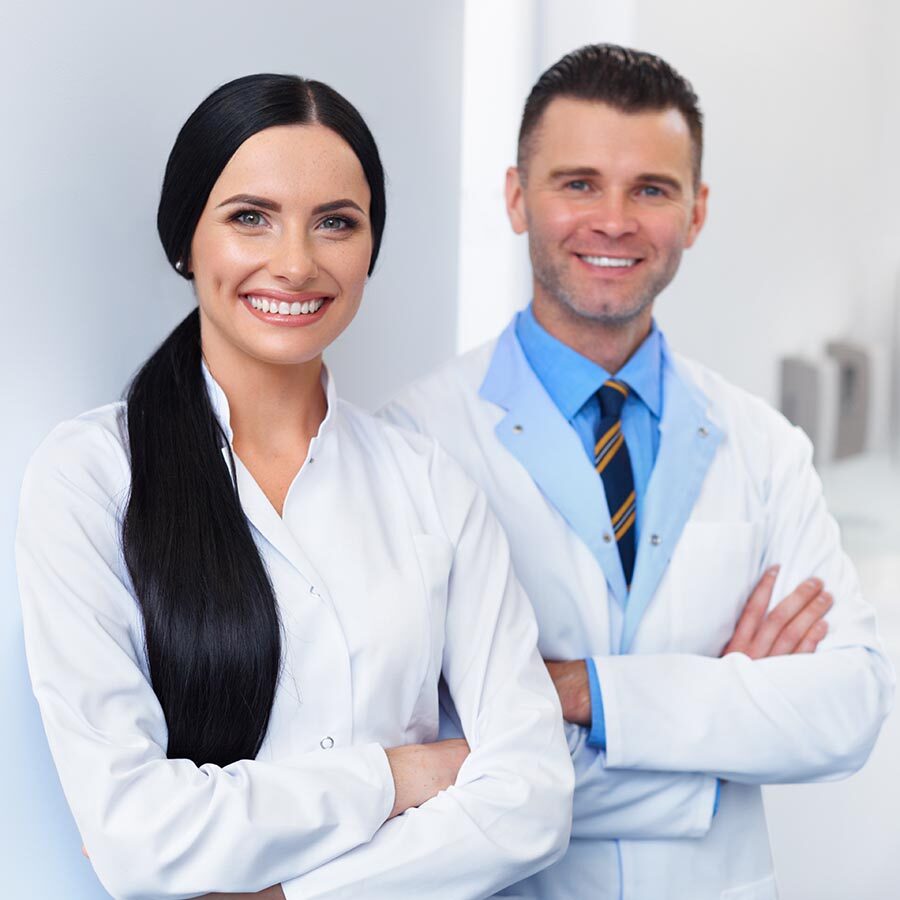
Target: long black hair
{"type": "Point", "coordinates": [211, 623]}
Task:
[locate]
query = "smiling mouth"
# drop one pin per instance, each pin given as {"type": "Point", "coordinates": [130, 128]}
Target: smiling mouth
{"type": "Point", "coordinates": [285, 308]}
{"type": "Point", "coordinates": [609, 262]}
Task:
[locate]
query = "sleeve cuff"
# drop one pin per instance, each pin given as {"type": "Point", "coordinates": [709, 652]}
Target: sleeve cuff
{"type": "Point", "coordinates": [597, 736]}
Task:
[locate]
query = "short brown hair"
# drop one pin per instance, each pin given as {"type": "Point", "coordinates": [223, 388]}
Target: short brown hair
{"type": "Point", "coordinates": [628, 80]}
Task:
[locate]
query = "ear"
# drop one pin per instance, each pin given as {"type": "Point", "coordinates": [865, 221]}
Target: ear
{"type": "Point", "coordinates": [515, 201]}
{"type": "Point", "coordinates": [698, 214]}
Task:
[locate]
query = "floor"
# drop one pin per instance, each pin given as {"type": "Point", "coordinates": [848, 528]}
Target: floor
{"type": "Point", "coordinates": [841, 840]}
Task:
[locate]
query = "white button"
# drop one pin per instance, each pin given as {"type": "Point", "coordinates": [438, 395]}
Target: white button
{"type": "Point", "coordinates": [326, 743]}
{"type": "Point", "coordinates": [655, 539]}
{"type": "Point", "coordinates": [517, 429]}
{"type": "Point", "coordinates": [607, 538]}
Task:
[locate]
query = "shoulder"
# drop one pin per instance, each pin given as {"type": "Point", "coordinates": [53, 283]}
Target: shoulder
{"type": "Point", "coordinates": [415, 460]}
{"type": "Point", "coordinates": [751, 426]}
{"type": "Point", "coordinates": [449, 387]}
{"type": "Point", "coordinates": [87, 453]}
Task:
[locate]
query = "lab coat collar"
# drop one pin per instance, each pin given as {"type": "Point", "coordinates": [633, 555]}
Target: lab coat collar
{"type": "Point", "coordinates": [536, 433]}
{"type": "Point", "coordinates": [253, 500]}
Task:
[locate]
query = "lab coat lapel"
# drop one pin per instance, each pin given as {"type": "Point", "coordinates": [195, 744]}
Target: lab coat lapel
{"type": "Point", "coordinates": [688, 442]}
{"type": "Point", "coordinates": [268, 523]}
{"type": "Point", "coordinates": [536, 434]}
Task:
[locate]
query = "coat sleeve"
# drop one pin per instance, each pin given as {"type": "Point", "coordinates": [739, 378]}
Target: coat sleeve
{"type": "Point", "coordinates": [155, 827]}
{"type": "Point", "coordinates": [509, 812]}
{"type": "Point", "coordinates": [794, 718]}
{"type": "Point", "coordinates": [627, 804]}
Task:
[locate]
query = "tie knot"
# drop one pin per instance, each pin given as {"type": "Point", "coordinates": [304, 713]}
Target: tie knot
{"type": "Point", "coordinates": [612, 398]}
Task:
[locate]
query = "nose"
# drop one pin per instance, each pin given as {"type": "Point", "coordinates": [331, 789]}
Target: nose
{"type": "Point", "coordinates": [293, 259]}
{"type": "Point", "coordinates": [612, 215]}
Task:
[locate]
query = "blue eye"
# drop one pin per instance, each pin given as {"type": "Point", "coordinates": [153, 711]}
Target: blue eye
{"type": "Point", "coordinates": [249, 217]}
{"type": "Point", "coordinates": [577, 185]}
{"type": "Point", "coordinates": [337, 223]}
{"type": "Point", "coordinates": [651, 190]}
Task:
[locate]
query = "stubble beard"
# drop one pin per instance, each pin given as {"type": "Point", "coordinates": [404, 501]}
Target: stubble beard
{"type": "Point", "coordinates": [553, 281]}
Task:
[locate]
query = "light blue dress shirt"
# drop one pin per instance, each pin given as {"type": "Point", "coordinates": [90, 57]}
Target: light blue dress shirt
{"type": "Point", "coordinates": [572, 381]}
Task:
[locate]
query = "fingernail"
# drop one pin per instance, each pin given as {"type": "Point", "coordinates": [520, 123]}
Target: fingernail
{"type": "Point", "coordinates": [813, 582]}
{"type": "Point", "coordinates": [824, 599]}
{"type": "Point", "coordinates": [773, 571]}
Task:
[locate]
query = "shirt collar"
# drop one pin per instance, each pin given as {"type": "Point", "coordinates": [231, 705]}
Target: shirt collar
{"type": "Point", "coordinates": [572, 379]}
{"type": "Point", "coordinates": [219, 402]}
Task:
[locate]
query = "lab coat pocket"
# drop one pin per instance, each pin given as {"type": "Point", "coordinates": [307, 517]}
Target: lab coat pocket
{"type": "Point", "coordinates": [715, 567]}
{"type": "Point", "coordinates": [764, 889]}
{"type": "Point", "coordinates": [435, 557]}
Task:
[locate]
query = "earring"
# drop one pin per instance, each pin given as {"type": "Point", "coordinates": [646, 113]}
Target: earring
{"type": "Point", "coordinates": [179, 266]}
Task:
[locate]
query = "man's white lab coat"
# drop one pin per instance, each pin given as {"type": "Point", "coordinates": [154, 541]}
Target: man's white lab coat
{"type": "Point", "coordinates": [677, 716]}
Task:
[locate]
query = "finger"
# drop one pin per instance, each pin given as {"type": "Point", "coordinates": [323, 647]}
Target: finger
{"type": "Point", "coordinates": [779, 617]}
{"type": "Point", "coordinates": [753, 613]}
{"type": "Point", "coordinates": [797, 629]}
{"type": "Point", "coordinates": [813, 637]}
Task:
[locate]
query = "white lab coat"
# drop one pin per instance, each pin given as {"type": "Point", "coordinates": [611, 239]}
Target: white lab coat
{"type": "Point", "coordinates": [677, 716]}
{"type": "Point", "coordinates": [389, 570]}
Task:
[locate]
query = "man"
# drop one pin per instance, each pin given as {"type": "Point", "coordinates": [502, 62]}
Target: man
{"type": "Point", "coordinates": [644, 497]}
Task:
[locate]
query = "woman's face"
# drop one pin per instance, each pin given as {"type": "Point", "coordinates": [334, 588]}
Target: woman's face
{"type": "Point", "coordinates": [281, 251]}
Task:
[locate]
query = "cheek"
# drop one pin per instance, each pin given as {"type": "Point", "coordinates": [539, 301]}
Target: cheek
{"type": "Point", "coordinates": [224, 260]}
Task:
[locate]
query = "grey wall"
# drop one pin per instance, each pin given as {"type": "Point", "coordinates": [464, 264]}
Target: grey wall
{"type": "Point", "coordinates": [93, 96]}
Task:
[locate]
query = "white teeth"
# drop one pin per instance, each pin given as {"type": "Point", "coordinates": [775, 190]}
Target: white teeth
{"type": "Point", "coordinates": [283, 308]}
{"type": "Point", "coordinates": [609, 262]}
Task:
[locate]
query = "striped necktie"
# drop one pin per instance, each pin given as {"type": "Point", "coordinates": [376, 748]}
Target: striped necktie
{"type": "Point", "coordinates": [613, 464]}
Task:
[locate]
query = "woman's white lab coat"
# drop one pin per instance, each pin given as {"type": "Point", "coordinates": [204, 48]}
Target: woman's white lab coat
{"type": "Point", "coordinates": [389, 571]}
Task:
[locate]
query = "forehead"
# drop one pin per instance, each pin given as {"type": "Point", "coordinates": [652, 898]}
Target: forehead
{"type": "Point", "coordinates": [583, 133]}
{"type": "Point", "coordinates": [302, 163]}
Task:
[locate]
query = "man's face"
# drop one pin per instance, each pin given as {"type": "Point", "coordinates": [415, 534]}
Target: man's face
{"type": "Point", "coordinates": [609, 204]}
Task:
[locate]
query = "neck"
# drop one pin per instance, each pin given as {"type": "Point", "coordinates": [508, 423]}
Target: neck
{"type": "Point", "coordinates": [610, 346]}
{"type": "Point", "coordinates": [274, 409]}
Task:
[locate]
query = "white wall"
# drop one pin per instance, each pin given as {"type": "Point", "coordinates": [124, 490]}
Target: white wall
{"type": "Point", "coordinates": [795, 249]}
{"type": "Point", "coordinates": [94, 94]}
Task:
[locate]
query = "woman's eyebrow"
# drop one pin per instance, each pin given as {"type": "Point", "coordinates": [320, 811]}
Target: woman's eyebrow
{"type": "Point", "coordinates": [253, 200]}
{"type": "Point", "coordinates": [335, 205]}
{"type": "Point", "coordinates": [331, 206]}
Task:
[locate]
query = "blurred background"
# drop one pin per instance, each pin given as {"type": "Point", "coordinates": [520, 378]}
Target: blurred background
{"type": "Point", "coordinates": [793, 290]}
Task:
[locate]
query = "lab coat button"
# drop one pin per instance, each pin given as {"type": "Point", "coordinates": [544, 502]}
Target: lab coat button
{"type": "Point", "coordinates": [326, 743]}
{"type": "Point", "coordinates": [607, 538]}
{"type": "Point", "coordinates": [655, 539]}
{"type": "Point", "coordinates": [517, 429]}
{"type": "Point", "coordinates": [703, 431]}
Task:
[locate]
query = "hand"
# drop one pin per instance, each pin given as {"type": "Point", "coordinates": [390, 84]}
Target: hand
{"type": "Point", "coordinates": [571, 682]}
{"type": "Point", "coordinates": [795, 625]}
{"type": "Point", "coordinates": [272, 893]}
{"type": "Point", "coordinates": [422, 771]}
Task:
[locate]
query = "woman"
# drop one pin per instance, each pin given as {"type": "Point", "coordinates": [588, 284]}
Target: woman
{"type": "Point", "coordinates": [239, 590]}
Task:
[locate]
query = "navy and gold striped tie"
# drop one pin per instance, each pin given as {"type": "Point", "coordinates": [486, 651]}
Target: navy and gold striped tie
{"type": "Point", "coordinates": [613, 464]}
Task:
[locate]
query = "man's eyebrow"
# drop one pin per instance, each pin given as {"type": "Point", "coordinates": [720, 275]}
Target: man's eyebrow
{"type": "Point", "coordinates": [653, 178]}
{"type": "Point", "coordinates": [252, 200]}
{"type": "Point", "coordinates": [576, 172]}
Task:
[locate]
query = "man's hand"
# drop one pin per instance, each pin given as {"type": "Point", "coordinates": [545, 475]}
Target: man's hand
{"type": "Point", "coordinates": [421, 771]}
{"type": "Point", "coordinates": [795, 625]}
{"type": "Point", "coordinates": [571, 682]}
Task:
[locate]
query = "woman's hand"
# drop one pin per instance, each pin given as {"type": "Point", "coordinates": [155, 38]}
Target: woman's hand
{"type": "Point", "coordinates": [421, 771]}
